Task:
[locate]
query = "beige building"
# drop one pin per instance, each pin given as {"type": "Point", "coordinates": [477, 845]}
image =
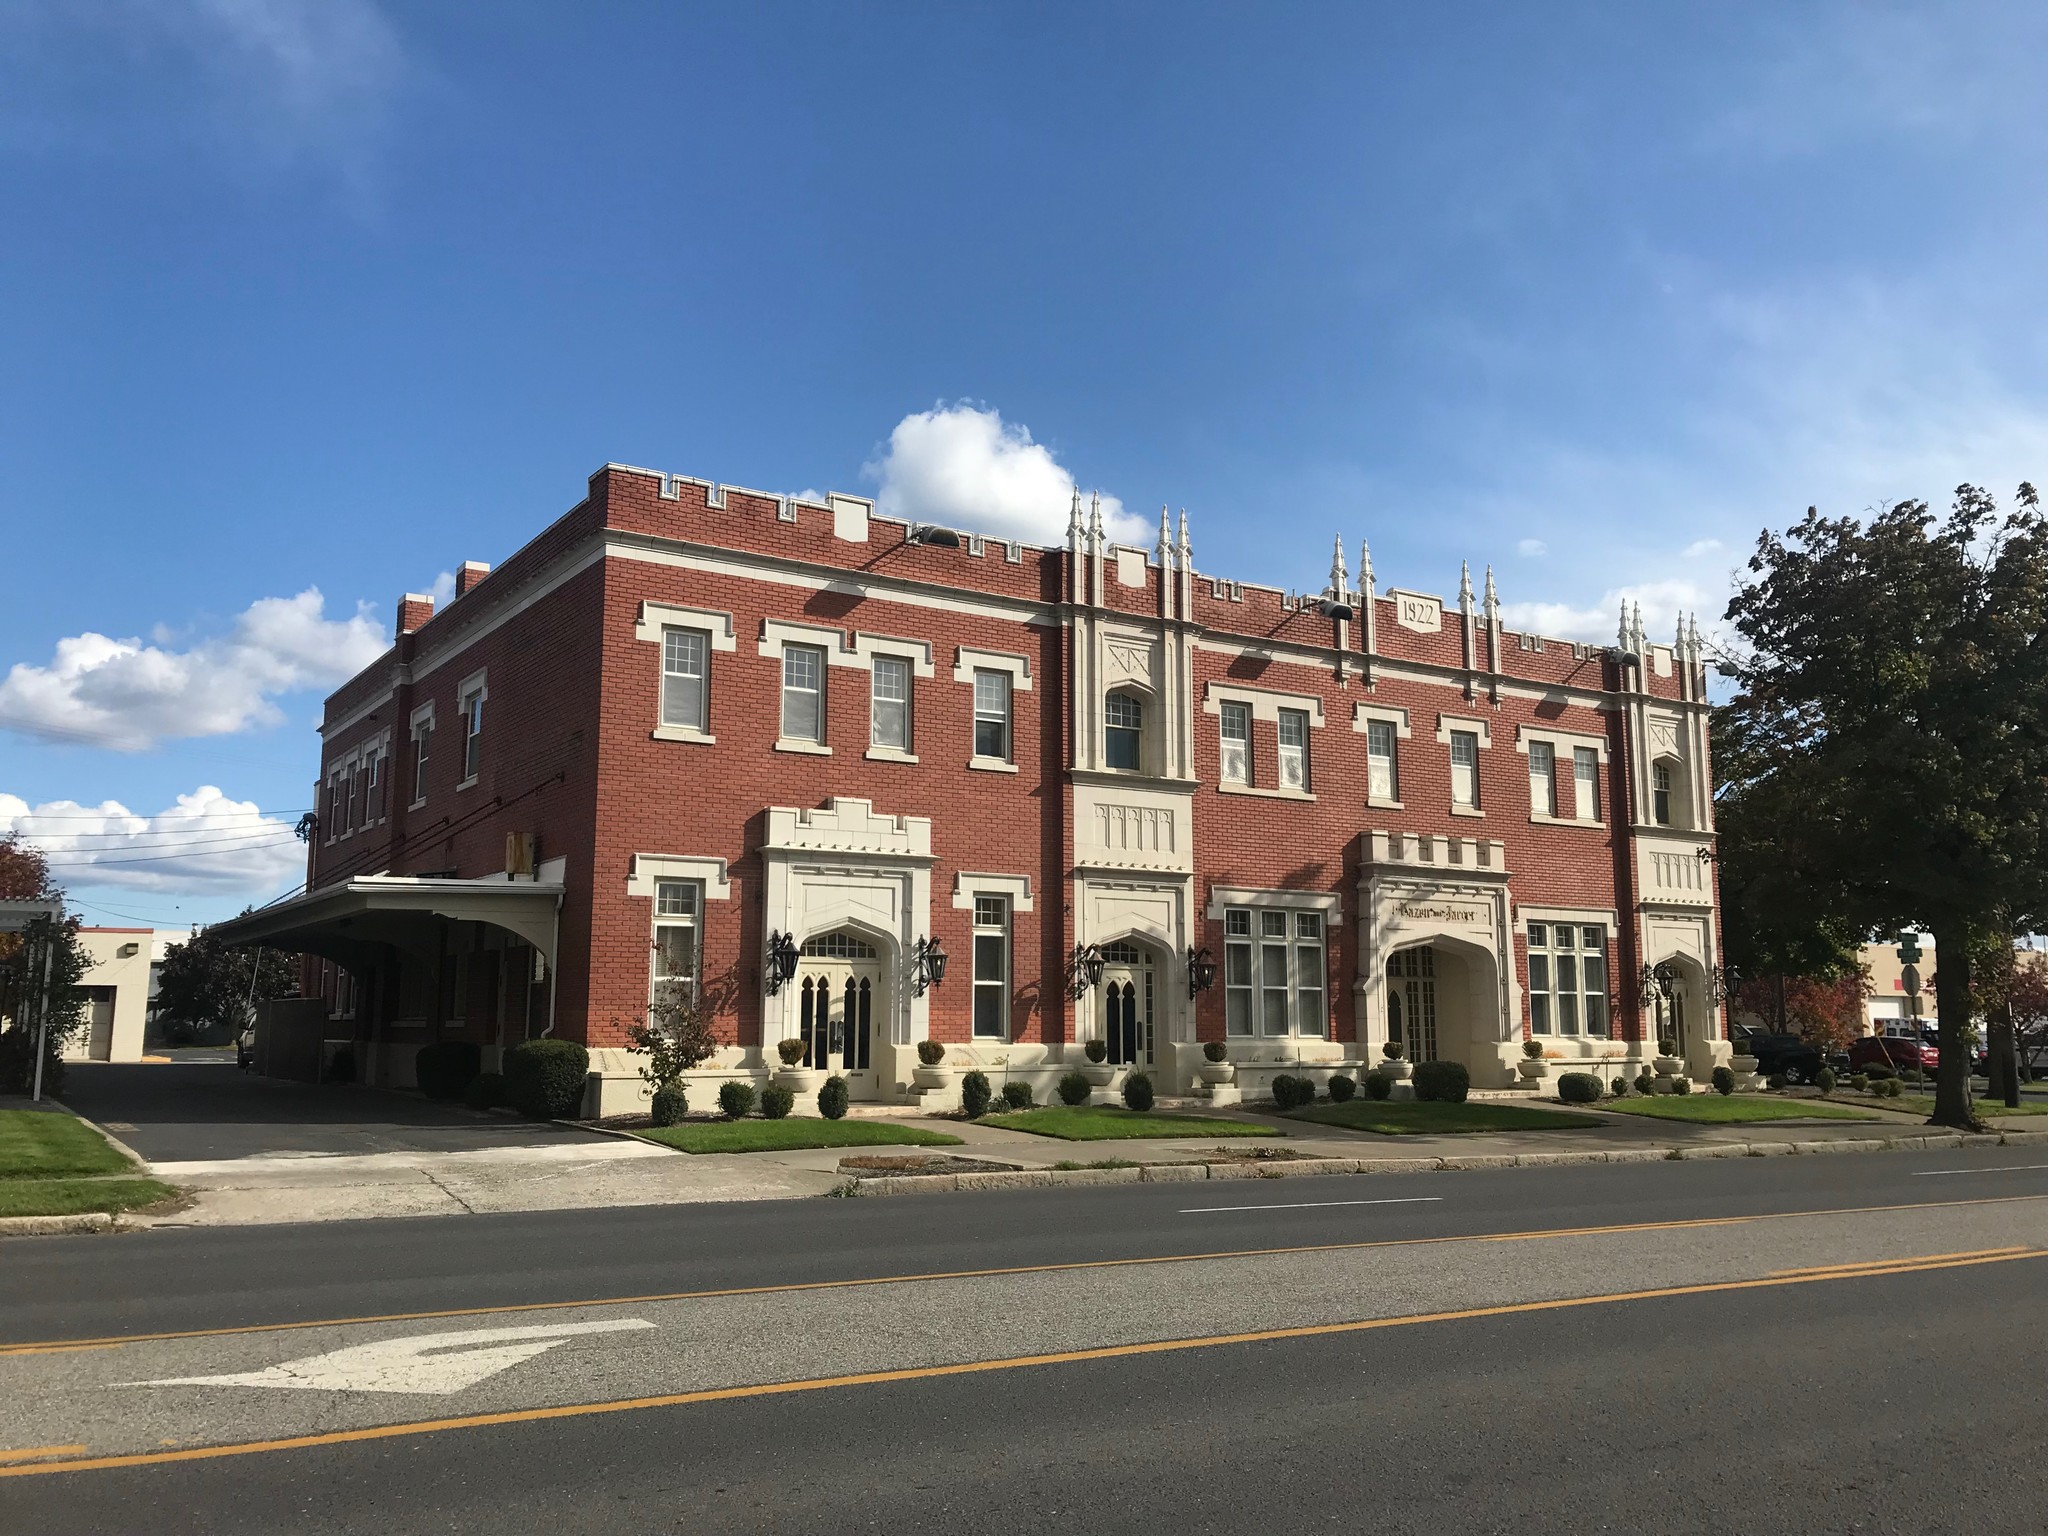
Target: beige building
{"type": "Point", "coordinates": [1887, 1005]}
{"type": "Point", "coordinates": [119, 988]}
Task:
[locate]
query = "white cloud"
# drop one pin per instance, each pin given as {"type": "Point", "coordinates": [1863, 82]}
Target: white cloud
{"type": "Point", "coordinates": [129, 695]}
{"type": "Point", "coordinates": [443, 590]}
{"type": "Point", "coordinates": [206, 844]}
{"type": "Point", "coordinates": [1662, 602]}
{"type": "Point", "coordinates": [1532, 549]}
{"type": "Point", "coordinates": [967, 468]}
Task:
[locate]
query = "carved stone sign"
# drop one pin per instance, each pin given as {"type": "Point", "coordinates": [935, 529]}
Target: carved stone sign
{"type": "Point", "coordinates": [1414, 610]}
{"type": "Point", "coordinates": [1439, 912]}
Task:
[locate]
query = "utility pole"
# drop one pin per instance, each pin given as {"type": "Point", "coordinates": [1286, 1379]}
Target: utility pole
{"type": "Point", "coordinates": [43, 1011]}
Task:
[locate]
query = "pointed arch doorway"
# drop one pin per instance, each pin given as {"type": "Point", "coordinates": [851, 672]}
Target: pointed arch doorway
{"type": "Point", "coordinates": [1128, 985]}
{"type": "Point", "coordinates": [841, 1007]}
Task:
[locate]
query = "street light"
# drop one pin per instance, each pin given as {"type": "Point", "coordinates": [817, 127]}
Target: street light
{"type": "Point", "coordinates": [781, 961]}
{"type": "Point", "coordinates": [1084, 968]}
{"type": "Point", "coordinates": [928, 962]}
{"type": "Point", "coordinates": [1201, 971]}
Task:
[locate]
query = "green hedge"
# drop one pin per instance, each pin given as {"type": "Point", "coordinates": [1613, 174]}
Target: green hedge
{"type": "Point", "coordinates": [1579, 1088]}
{"type": "Point", "coordinates": [1442, 1082]}
{"type": "Point", "coordinates": [445, 1069]}
{"type": "Point", "coordinates": [544, 1078]}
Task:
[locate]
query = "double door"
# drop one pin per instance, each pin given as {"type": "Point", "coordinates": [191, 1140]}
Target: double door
{"type": "Point", "coordinates": [839, 1008]}
{"type": "Point", "coordinates": [1127, 1011]}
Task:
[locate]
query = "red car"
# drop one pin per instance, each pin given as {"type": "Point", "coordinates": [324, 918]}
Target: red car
{"type": "Point", "coordinates": [1902, 1051]}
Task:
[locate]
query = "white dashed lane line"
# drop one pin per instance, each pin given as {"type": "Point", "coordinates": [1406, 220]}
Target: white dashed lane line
{"type": "Point", "coordinates": [1310, 1205]}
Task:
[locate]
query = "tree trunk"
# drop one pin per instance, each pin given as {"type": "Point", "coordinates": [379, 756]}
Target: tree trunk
{"type": "Point", "coordinates": [1952, 1001]}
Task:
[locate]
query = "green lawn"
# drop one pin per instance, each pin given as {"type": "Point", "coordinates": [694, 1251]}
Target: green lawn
{"type": "Point", "coordinates": [71, 1197]}
{"type": "Point", "coordinates": [791, 1135]}
{"type": "Point", "coordinates": [1104, 1122]}
{"type": "Point", "coordinates": [1987, 1108]}
{"type": "Point", "coordinates": [46, 1144]}
{"type": "Point", "coordinates": [1415, 1117]}
{"type": "Point", "coordinates": [1735, 1109]}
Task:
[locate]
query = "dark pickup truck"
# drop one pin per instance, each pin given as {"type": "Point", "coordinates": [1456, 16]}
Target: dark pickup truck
{"type": "Point", "coordinates": [1794, 1055]}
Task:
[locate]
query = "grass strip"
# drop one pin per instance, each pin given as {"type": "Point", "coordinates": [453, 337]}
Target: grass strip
{"type": "Point", "coordinates": [72, 1197]}
{"type": "Point", "coordinates": [1417, 1117]}
{"type": "Point", "coordinates": [1103, 1122]}
{"type": "Point", "coordinates": [791, 1135]}
{"type": "Point", "coordinates": [48, 1144]}
{"type": "Point", "coordinates": [1732, 1109]}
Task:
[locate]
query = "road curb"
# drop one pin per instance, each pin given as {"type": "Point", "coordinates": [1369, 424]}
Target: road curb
{"type": "Point", "coordinates": [51, 1226]}
{"type": "Point", "coordinates": [1182, 1173]}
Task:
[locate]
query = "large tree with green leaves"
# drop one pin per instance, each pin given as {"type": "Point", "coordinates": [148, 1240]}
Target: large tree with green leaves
{"type": "Point", "coordinates": [1892, 691]}
{"type": "Point", "coordinates": [203, 982]}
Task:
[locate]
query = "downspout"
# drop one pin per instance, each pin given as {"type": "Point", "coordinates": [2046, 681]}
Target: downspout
{"type": "Point", "coordinates": [554, 957]}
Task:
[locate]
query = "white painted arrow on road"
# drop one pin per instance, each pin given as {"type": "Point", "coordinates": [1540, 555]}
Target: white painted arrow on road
{"type": "Point", "coordinates": [429, 1363]}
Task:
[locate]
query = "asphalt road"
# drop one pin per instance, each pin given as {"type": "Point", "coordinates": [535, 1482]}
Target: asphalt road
{"type": "Point", "coordinates": [184, 1111]}
{"type": "Point", "coordinates": [1802, 1344]}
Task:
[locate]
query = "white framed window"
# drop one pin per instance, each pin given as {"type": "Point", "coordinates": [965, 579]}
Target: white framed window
{"type": "Point", "coordinates": [422, 751]}
{"type": "Point", "coordinates": [803, 693]}
{"type": "Point", "coordinates": [374, 786]}
{"type": "Point", "coordinates": [1585, 783]}
{"type": "Point", "coordinates": [889, 704]}
{"type": "Point", "coordinates": [992, 714]}
{"type": "Point", "coordinates": [1274, 980]}
{"type": "Point", "coordinates": [991, 967]}
{"type": "Point", "coordinates": [1542, 778]}
{"type": "Point", "coordinates": [336, 821]}
{"type": "Point", "coordinates": [1123, 731]}
{"type": "Point", "coordinates": [352, 778]}
{"type": "Point", "coordinates": [678, 905]}
{"type": "Point", "coordinates": [1660, 793]}
{"type": "Point", "coordinates": [1465, 769]}
{"type": "Point", "coordinates": [1235, 729]}
{"type": "Point", "coordinates": [1568, 979]}
{"type": "Point", "coordinates": [686, 679]}
{"type": "Point", "coordinates": [1383, 779]}
{"type": "Point", "coordinates": [1294, 749]}
{"type": "Point", "coordinates": [471, 704]}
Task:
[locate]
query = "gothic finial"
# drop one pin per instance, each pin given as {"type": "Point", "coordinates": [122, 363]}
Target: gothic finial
{"type": "Point", "coordinates": [1365, 578]}
{"type": "Point", "coordinates": [1165, 535]}
{"type": "Point", "coordinates": [1074, 517]}
{"type": "Point", "coordinates": [1492, 596]}
{"type": "Point", "coordinates": [1187, 552]}
{"type": "Point", "coordinates": [1465, 585]}
{"type": "Point", "coordinates": [1621, 636]}
{"type": "Point", "coordinates": [1340, 579]}
{"type": "Point", "coordinates": [1095, 517]}
{"type": "Point", "coordinates": [1635, 625]}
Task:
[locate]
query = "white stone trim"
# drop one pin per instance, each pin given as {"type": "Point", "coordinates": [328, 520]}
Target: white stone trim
{"type": "Point", "coordinates": [889, 755]}
{"type": "Point", "coordinates": [967, 659]}
{"type": "Point", "coordinates": [1447, 723]}
{"type": "Point", "coordinates": [808, 748]}
{"type": "Point", "coordinates": [1232, 787]}
{"type": "Point", "coordinates": [1539, 819]}
{"type": "Point", "coordinates": [646, 868]}
{"type": "Point", "coordinates": [688, 733]}
{"type": "Point", "coordinates": [777, 633]}
{"type": "Point", "coordinates": [1362, 715]}
{"type": "Point", "coordinates": [1015, 889]}
{"type": "Point", "coordinates": [917, 652]}
{"type": "Point", "coordinates": [1565, 741]}
{"type": "Point", "coordinates": [657, 616]}
{"type": "Point", "coordinates": [991, 765]}
{"type": "Point", "coordinates": [1265, 703]}
{"type": "Point", "coordinates": [1329, 903]}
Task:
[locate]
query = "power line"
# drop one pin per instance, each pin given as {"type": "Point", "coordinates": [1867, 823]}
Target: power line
{"type": "Point", "coordinates": [241, 841]}
{"type": "Point", "coordinates": [161, 837]}
{"type": "Point", "coordinates": [107, 815]}
{"type": "Point", "coordinates": [169, 856]}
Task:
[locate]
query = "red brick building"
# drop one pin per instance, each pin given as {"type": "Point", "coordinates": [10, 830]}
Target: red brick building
{"type": "Point", "coordinates": [690, 724]}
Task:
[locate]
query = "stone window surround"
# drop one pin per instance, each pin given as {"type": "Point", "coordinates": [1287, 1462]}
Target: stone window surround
{"type": "Point", "coordinates": [1483, 729]}
{"type": "Point", "coordinates": [858, 655]}
{"type": "Point", "coordinates": [1265, 704]}
{"type": "Point", "coordinates": [656, 617]}
{"type": "Point", "coordinates": [966, 662]}
{"type": "Point", "coordinates": [1015, 889]}
{"type": "Point", "coordinates": [646, 868]}
{"type": "Point", "coordinates": [349, 762]}
{"type": "Point", "coordinates": [422, 716]}
{"type": "Point", "coordinates": [1329, 903]}
{"type": "Point", "coordinates": [1562, 744]}
{"type": "Point", "coordinates": [1362, 717]}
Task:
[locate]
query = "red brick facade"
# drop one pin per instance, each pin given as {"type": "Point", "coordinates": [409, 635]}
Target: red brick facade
{"type": "Point", "coordinates": [563, 644]}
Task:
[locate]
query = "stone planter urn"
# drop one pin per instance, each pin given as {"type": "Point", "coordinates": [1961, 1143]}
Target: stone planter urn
{"type": "Point", "coordinates": [1217, 1073]}
{"type": "Point", "coordinates": [925, 1078]}
{"type": "Point", "coordinates": [1397, 1068]}
{"type": "Point", "coordinates": [801, 1081]}
{"type": "Point", "coordinates": [1100, 1074]}
{"type": "Point", "coordinates": [1668, 1066]}
{"type": "Point", "coordinates": [1532, 1068]}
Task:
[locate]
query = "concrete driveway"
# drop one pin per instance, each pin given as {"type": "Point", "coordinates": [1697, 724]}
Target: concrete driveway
{"type": "Point", "coordinates": [179, 1112]}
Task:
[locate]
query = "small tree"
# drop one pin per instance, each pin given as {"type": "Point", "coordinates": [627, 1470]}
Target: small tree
{"type": "Point", "coordinates": [678, 1039]}
{"type": "Point", "coordinates": [47, 951]}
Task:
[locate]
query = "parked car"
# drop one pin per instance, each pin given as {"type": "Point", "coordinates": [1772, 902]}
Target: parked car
{"type": "Point", "coordinates": [1794, 1055]}
{"type": "Point", "coordinates": [1909, 1053]}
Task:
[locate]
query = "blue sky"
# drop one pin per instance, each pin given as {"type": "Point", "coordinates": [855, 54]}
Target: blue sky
{"type": "Point", "coordinates": [305, 303]}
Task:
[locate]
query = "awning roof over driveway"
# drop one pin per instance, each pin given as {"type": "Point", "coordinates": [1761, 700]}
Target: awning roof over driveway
{"type": "Point", "coordinates": [337, 920]}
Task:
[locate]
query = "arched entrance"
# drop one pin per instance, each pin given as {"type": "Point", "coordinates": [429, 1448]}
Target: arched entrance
{"type": "Point", "coordinates": [1411, 1001]}
{"type": "Point", "coordinates": [842, 1006]}
{"type": "Point", "coordinates": [1442, 1003]}
{"type": "Point", "coordinates": [1129, 990]}
{"type": "Point", "coordinates": [1678, 1011]}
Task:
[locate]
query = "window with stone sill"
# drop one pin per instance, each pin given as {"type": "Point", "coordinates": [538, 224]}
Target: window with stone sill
{"type": "Point", "coordinates": [889, 695]}
{"type": "Point", "coordinates": [1542, 778]}
{"type": "Point", "coordinates": [1465, 769]}
{"type": "Point", "coordinates": [1568, 979]}
{"type": "Point", "coordinates": [422, 749]}
{"type": "Point", "coordinates": [992, 714]}
{"type": "Point", "coordinates": [1123, 734]}
{"type": "Point", "coordinates": [1383, 778]}
{"type": "Point", "coordinates": [991, 967]}
{"type": "Point", "coordinates": [1273, 972]}
{"type": "Point", "coordinates": [1293, 733]}
{"type": "Point", "coordinates": [677, 943]}
{"type": "Point", "coordinates": [685, 679]}
{"type": "Point", "coordinates": [803, 693]}
{"type": "Point", "coordinates": [1235, 729]}
{"type": "Point", "coordinates": [1586, 783]}
{"type": "Point", "coordinates": [472, 733]}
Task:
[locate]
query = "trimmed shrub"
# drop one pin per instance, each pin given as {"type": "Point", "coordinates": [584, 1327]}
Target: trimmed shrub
{"type": "Point", "coordinates": [1777, 1080]}
{"type": "Point", "coordinates": [1724, 1081]}
{"type": "Point", "coordinates": [1378, 1085]}
{"type": "Point", "coordinates": [1579, 1088]}
{"type": "Point", "coordinates": [1287, 1091]}
{"type": "Point", "coordinates": [975, 1094]}
{"type": "Point", "coordinates": [1893, 1087]}
{"type": "Point", "coordinates": [832, 1098]}
{"type": "Point", "coordinates": [1442, 1082]}
{"type": "Point", "coordinates": [1096, 1051]}
{"type": "Point", "coordinates": [445, 1068]}
{"type": "Point", "coordinates": [735, 1100]}
{"type": "Point", "coordinates": [1646, 1082]}
{"type": "Point", "coordinates": [1533, 1049]}
{"type": "Point", "coordinates": [1858, 1081]}
{"type": "Point", "coordinates": [1018, 1096]}
{"type": "Point", "coordinates": [1342, 1089]}
{"type": "Point", "coordinates": [670, 1105]}
{"type": "Point", "coordinates": [1215, 1050]}
{"type": "Point", "coordinates": [1824, 1080]}
{"type": "Point", "coordinates": [792, 1050]}
{"type": "Point", "coordinates": [341, 1068]}
{"type": "Point", "coordinates": [486, 1090]}
{"type": "Point", "coordinates": [1619, 1087]}
{"type": "Point", "coordinates": [1138, 1092]}
{"type": "Point", "coordinates": [1074, 1089]}
{"type": "Point", "coordinates": [1392, 1050]}
{"type": "Point", "coordinates": [1681, 1085]}
{"type": "Point", "coordinates": [544, 1078]}
{"type": "Point", "coordinates": [1878, 1069]}
{"type": "Point", "coordinates": [931, 1052]}
{"type": "Point", "coordinates": [1667, 1045]}
{"type": "Point", "coordinates": [776, 1102]}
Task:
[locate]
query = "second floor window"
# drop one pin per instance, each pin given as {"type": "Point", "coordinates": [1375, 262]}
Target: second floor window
{"type": "Point", "coordinates": [373, 787]}
{"type": "Point", "coordinates": [1586, 783]}
{"type": "Point", "coordinates": [1660, 793]}
{"type": "Point", "coordinates": [1542, 778]}
{"type": "Point", "coordinates": [803, 693]}
{"type": "Point", "coordinates": [1123, 736]}
{"type": "Point", "coordinates": [472, 734]}
{"type": "Point", "coordinates": [890, 695]}
{"type": "Point", "coordinates": [422, 749]}
{"type": "Point", "coordinates": [1294, 749]}
{"type": "Point", "coordinates": [1383, 782]}
{"type": "Point", "coordinates": [992, 714]}
{"type": "Point", "coordinates": [685, 655]}
{"type": "Point", "coordinates": [1465, 769]}
{"type": "Point", "coordinates": [1236, 731]}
